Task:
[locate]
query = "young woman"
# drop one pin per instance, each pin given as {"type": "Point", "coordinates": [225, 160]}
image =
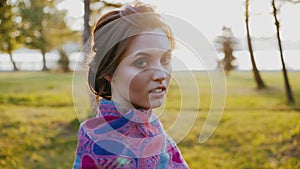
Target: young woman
{"type": "Point", "coordinates": [130, 72]}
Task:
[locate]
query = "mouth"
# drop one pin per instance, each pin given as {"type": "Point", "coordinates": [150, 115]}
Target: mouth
{"type": "Point", "coordinates": [158, 90]}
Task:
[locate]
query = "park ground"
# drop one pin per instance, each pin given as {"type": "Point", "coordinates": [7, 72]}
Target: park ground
{"type": "Point", "coordinates": [258, 129]}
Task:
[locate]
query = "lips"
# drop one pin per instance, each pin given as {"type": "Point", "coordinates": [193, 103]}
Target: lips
{"type": "Point", "coordinates": [159, 89]}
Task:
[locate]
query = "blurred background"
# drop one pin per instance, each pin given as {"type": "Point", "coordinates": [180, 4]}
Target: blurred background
{"type": "Point", "coordinates": [257, 45]}
{"type": "Point", "coordinates": [60, 25]}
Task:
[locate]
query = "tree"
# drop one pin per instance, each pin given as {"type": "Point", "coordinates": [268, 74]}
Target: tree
{"type": "Point", "coordinates": [86, 18]}
{"type": "Point", "coordinates": [259, 82]}
{"type": "Point", "coordinates": [99, 6]}
{"type": "Point", "coordinates": [10, 33]}
{"type": "Point", "coordinates": [88, 13]}
{"type": "Point", "coordinates": [2, 3]}
{"type": "Point", "coordinates": [63, 61]}
{"type": "Point", "coordinates": [288, 89]}
{"type": "Point", "coordinates": [227, 42]}
{"type": "Point", "coordinates": [87, 32]}
{"type": "Point", "coordinates": [43, 26]}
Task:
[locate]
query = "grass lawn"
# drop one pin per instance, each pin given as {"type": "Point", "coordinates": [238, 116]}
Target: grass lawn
{"type": "Point", "coordinates": [257, 130]}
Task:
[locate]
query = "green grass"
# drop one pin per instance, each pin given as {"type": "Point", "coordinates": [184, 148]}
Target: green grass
{"type": "Point", "coordinates": [257, 130]}
{"type": "Point", "coordinates": [38, 123]}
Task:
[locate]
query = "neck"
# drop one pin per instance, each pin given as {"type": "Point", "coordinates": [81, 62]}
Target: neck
{"type": "Point", "coordinates": [125, 107]}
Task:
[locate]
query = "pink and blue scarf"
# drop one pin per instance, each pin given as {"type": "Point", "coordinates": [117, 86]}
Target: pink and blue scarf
{"type": "Point", "coordinates": [132, 140]}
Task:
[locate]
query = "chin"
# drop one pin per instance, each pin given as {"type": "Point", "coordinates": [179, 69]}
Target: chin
{"type": "Point", "coordinates": [156, 103]}
{"type": "Point", "coordinates": [150, 105]}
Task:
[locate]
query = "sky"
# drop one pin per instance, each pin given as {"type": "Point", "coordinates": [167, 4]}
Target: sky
{"type": "Point", "coordinates": [210, 16]}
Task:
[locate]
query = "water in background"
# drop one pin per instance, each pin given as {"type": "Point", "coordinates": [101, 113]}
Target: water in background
{"type": "Point", "coordinates": [268, 60]}
{"type": "Point", "coordinates": [33, 61]}
{"type": "Point", "coordinates": [265, 60]}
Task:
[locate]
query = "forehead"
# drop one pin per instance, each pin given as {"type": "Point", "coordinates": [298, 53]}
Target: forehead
{"type": "Point", "coordinates": [155, 39]}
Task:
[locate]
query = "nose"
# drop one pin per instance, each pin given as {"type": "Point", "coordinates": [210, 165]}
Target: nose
{"type": "Point", "coordinates": [159, 75]}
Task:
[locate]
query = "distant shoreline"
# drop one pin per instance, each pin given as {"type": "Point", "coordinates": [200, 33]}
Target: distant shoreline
{"type": "Point", "coordinates": [266, 60]}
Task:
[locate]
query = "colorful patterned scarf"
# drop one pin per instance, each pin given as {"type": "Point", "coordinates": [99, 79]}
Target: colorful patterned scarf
{"type": "Point", "coordinates": [135, 139]}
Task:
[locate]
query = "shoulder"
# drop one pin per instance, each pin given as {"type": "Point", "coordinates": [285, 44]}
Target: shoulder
{"type": "Point", "coordinates": [93, 123]}
{"type": "Point", "coordinates": [88, 126]}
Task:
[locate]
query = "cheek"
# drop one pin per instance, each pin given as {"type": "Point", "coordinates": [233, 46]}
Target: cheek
{"type": "Point", "coordinates": [168, 79]}
{"type": "Point", "coordinates": [168, 72]}
{"type": "Point", "coordinates": [123, 77]}
{"type": "Point", "coordinates": [139, 84]}
{"type": "Point", "coordinates": [138, 91]}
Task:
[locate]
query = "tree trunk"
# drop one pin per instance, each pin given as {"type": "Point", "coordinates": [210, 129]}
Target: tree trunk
{"type": "Point", "coordinates": [259, 82]}
{"type": "Point", "coordinates": [86, 33]}
{"type": "Point", "coordinates": [13, 62]}
{"type": "Point", "coordinates": [44, 62]}
{"type": "Point", "coordinates": [288, 89]}
{"type": "Point", "coordinates": [86, 18]}
{"type": "Point", "coordinates": [86, 43]}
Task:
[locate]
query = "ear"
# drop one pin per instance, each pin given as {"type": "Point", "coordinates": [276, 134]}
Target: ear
{"type": "Point", "coordinates": [108, 77]}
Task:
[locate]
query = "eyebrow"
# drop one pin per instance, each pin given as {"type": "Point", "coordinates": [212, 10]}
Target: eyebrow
{"type": "Point", "coordinates": [169, 51]}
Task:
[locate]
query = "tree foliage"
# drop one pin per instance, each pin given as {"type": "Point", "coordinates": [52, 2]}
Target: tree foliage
{"type": "Point", "coordinates": [40, 25]}
{"type": "Point", "coordinates": [10, 29]}
{"type": "Point", "coordinates": [227, 42]}
{"type": "Point", "coordinates": [63, 62]}
{"type": "Point", "coordinates": [98, 7]}
{"type": "Point", "coordinates": [43, 26]}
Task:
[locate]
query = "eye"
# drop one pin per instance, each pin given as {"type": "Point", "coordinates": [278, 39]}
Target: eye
{"type": "Point", "coordinates": [165, 60]}
{"type": "Point", "coordinates": [141, 63]}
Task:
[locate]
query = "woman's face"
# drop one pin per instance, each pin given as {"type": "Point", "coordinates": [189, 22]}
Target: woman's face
{"type": "Point", "coordinates": [142, 78]}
